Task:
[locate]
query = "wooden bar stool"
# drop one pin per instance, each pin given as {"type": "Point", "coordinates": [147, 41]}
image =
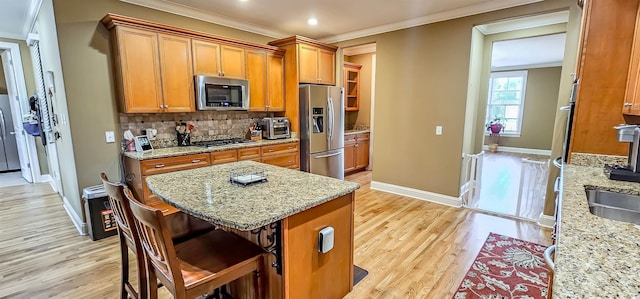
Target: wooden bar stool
{"type": "Point", "coordinates": [129, 238]}
{"type": "Point", "coordinates": [199, 265]}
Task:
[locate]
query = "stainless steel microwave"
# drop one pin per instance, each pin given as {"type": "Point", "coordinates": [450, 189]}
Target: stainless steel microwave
{"type": "Point", "coordinates": [213, 93]}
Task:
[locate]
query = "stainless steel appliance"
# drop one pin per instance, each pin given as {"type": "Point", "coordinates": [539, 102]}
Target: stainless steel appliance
{"type": "Point", "coordinates": [571, 108]}
{"type": "Point", "coordinates": [322, 130]}
{"type": "Point", "coordinates": [221, 142]}
{"type": "Point", "coordinates": [631, 171]}
{"type": "Point", "coordinates": [9, 159]}
{"type": "Point", "coordinates": [213, 93]}
{"type": "Point", "coordinates": [276, 127]}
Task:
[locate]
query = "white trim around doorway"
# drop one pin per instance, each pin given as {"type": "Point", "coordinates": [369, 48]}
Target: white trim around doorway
{"type": "Point", "coordinates": [531, 151]}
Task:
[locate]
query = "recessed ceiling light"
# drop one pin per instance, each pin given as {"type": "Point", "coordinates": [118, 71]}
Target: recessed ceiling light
{"type": "Point", "coordinates": [312, 21]}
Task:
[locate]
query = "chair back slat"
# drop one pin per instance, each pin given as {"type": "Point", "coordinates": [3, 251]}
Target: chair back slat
{"type": "Point", "coordinates": [156, 240]}
{"type": "Point", "coordinates": [120, 208]}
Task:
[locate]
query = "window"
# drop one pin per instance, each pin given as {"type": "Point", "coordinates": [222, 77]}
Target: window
{"type": "Point", "coordinates": [506, 100]}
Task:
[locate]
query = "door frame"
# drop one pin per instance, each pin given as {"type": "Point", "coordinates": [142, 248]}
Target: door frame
{"type": "Point", "coordinates": [20, 84]}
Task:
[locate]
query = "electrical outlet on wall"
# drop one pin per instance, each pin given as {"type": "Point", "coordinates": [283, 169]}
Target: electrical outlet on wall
{"type": "Point", "coordinates": [438, 130]}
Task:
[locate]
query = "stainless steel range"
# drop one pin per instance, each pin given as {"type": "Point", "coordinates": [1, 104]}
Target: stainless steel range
{"type": "Point", "coordinates": [221, 142]}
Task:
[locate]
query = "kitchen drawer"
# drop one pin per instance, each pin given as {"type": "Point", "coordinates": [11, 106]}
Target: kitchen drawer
{"type": "Point", "coordinates": [251, 153]}
{"type": "Point", "coordinates": [277, 149]}
{"type": "Point", "coordinates": [162, 165]}
{"type": "Point", "coordinates": [290, 160]}
{"type": "Point", "coordinates": [349, 139]}
{"type": "Point", "coordinates": [224, 157]}
{"type": "Point", "coordinates": [362, 136]}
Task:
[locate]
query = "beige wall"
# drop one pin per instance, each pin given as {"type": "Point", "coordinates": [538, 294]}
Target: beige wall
{"type": "Point", "coordinates": [88, 78]}
{"type": "Point", "coordinates": [421, 82]}
{"type": "Point", "coordinates": [539, 113]}
{"type": "Point", "coordinates": [362, 117]}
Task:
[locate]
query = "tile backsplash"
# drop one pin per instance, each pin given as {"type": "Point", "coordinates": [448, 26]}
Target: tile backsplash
{"type": "Point", "coordinates": [209, 125]}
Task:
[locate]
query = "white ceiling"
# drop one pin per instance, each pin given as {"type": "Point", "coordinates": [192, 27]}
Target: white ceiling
{"type": "Point", "coordinates": [539, 51]}
{"type": "Point", "coordinates": [17, 17]}
{"type": "Point", "coordinates": [337, 19]}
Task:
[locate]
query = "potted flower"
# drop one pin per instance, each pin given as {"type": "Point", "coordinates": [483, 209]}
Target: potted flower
{"type": "Point", "coordinates": [495, 126]}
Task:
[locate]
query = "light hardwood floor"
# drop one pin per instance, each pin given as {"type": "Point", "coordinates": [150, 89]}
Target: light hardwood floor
{"type": "Point", "coordinates": [411, 248]}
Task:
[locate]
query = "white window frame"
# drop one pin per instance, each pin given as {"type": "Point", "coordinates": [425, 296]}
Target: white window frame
{"type": "Point", "coordinates": [494, 75]}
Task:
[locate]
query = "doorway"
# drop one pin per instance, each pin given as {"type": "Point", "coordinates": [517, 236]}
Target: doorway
{"type": "Point", "coordinates": [16, 97]}
{"type": "Point", "coordinates": [511, 106]}
{"type": "Point", "coordinates": [360, 93]}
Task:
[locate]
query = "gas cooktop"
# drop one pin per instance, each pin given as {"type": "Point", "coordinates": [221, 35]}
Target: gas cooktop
{"type": "Point", "coordinates": [220, 142]}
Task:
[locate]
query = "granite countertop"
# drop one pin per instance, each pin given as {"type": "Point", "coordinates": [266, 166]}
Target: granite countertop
{"type": "Point", "coordinates": [595, 257]}
{"type": "Point", "coordinates": [188, 150]}
{"type": "Point", "coordinates": [351, 132]}
{"type": "Point", "coordinates": [207, 193]}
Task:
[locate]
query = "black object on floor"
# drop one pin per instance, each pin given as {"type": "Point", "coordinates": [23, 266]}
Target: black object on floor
{"type": "Point", "coordinates": [358, 274]}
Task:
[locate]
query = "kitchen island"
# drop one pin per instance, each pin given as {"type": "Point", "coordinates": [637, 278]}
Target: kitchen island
{"type": "Point", "coordinates": [283, 214]}
{"type": "Point", "coordinates": [596, 257]}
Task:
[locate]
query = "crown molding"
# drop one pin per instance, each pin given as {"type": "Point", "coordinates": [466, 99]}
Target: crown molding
{"type": "Point", "coordinates": [357, 50]}
{"type": "Point", "coordinates": [433, 18]}
{"type": "Point", "coordinates": [206, 16]}
{"type": "Point", "coordinates": [552, 18]}
{"type": "Point", "coordinates": [32, 16]}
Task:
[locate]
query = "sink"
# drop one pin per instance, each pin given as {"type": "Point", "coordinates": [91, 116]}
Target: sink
{"type": "Point", "coordinates": [613, 205]}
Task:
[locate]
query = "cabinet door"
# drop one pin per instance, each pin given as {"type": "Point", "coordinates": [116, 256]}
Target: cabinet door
{"type": "Point", "coordinates": [275, 79]}
{"type": "Point", "coordinates": [177, 73]}
{"type": "Point", "coordinates": [257, 76]}
{"type": "Point", "coordinates": [206, 58]}
{"type": "Point", "coordinates": [326, 67]}
{"type": "Point", "coordinates": [349, 156]}
{"type": "Point", "coordinates": [308, 64]}
{"type": "Point", "coordinates": [139, 70]}
{"type": "Point", "coordinates": [362, 153]}
{"type": "Point", "coordinates": [632, 94]}
{"type": "Point", "coordinates": [232, 62]}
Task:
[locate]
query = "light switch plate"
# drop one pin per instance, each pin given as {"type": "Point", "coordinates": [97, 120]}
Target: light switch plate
{"type": "Point", "coordinates": [438, 130]}
{"type": "Point", "coordinates": [109, 136]}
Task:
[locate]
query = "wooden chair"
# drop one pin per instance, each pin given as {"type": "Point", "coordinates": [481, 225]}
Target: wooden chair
{"type": "Point", "coordinates": [199, 265]}
{"type": "Point", "coordinates": [129, 238]}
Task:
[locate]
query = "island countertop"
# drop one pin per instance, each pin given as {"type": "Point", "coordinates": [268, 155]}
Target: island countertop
{"type": "Point", "coordinates": [189, 150]}
{"type": "Point", "coordinates": [596, 257]}
{"type": "Point", "coordinates": [207, 193]}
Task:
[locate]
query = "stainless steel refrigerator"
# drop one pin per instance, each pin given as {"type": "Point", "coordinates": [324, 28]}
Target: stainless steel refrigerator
{"type": "Point", "coordinates": [322, 130]}
{"type": "Point", "coordinates": [9, 159]}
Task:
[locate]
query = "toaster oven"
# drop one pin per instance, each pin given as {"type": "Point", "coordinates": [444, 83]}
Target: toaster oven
{"type": "Point", "coordinates": [276, 128]}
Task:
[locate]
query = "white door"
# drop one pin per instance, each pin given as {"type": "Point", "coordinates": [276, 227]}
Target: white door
{"type": "Point", "coordinates": [17, 111]}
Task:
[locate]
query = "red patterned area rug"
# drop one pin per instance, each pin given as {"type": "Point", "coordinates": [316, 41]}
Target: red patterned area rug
{"type": "Point", "coordinates": [506, 268]}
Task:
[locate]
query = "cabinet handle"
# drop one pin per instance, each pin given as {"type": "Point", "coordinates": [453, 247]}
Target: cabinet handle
{"type": "Point", "coordinates": [195, 161]}
{"type": "Point", "coordinates": [628, 104]}
{"type": "Point", "coordinates": [166, 106]}
{"type": "Point", "coordinates": [161, 106]}
{"type": "Point", "coordinates": [159, 165]}
{"type": "Point", "coordinates": [290, 161]}
{"type": "Point", "coordinates": [270, 150]}
{"type": "Point", "coordinates": [290, 147]}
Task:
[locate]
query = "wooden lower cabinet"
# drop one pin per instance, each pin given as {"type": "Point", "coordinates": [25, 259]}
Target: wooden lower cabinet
{"type": "Point", "coordinates": [283, 155]}
{"type": "Point", "coordinates": [224, 157]}
{"type": "Point", "coordinates": [356, 151]}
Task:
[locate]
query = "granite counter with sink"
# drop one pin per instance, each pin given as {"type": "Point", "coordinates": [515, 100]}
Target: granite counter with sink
{"type": "Point", "coordinates": [188, 150]}
{"type": "Point", "coordinates": [596, 257]}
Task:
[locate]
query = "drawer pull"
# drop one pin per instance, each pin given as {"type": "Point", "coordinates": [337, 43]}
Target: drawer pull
{"type": "Point", "coordinates": [290, 161]}
{"type": "Point", "coordinates": [270, 150]}
{"type": "Point", "coordinates": [165, 210]}
{"type": "Point", "coordinates": [159, 165]}
{"type": "Point", "coordinates": [195, 161]}
{"type": "Point", "coordinates": [290, 147]}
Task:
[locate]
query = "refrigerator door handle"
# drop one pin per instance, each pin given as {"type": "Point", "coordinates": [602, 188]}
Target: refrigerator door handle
{"type": "Point", "coordinates": [330, 111]}
{"type": "Point", "coordinates": [3, 127]}
{"type": "Point", "coordinates": [327, 156]}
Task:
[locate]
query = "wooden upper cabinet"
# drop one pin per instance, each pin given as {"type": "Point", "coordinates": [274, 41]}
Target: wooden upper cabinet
{"type": "Point", "coordinates": [138, 70]}
{"type": "Point", "coordinates": [326, 67]}
{"type": "Point", "coordinates": [218, 60]}
{"type": "Point", "coordinates": [308, 64]}
{"type": "Point", "coordinates": [265, 72]}
{"type": "Point", "coordinates": [177, 73]}
{"type": "Point", "coordinates": [257, 76]}
{"type": "Point", "coordinates": [632, 95]}
{"type": "Point", "coordinates": [351, 86]}
{"type": "Point", "coordinates": [232, 62]}
{"type": "Point", "coordinates": [316, 65]}
{"type": "Point", "coordinates": [275, 79]}
{"type": "Point", "coordinates": [206, 58]}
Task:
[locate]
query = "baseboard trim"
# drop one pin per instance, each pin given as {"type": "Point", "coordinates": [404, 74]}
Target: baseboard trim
{"type": "Point", "coordinates": [520, 150]}
{"type": "Point", "coordinates": [75, 218]}
{"type": "Point", "coordinates": [546, 220]}
{"type": "Point", "coordinates": [417, 194]}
